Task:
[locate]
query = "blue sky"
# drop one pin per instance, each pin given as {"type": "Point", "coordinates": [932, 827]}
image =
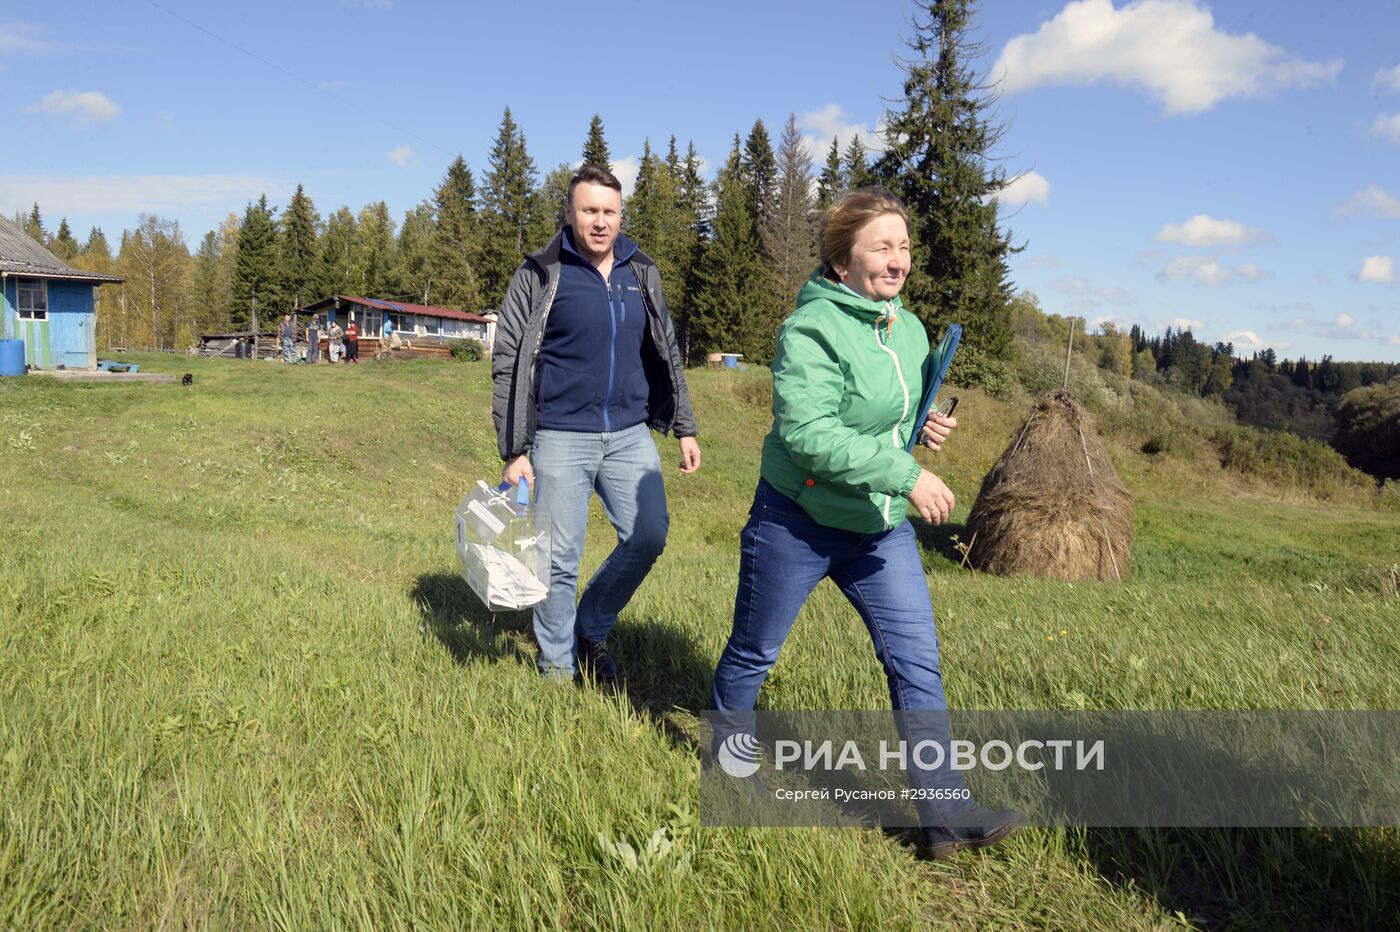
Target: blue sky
{"type": "Point", "coordinates": [1235, 165]}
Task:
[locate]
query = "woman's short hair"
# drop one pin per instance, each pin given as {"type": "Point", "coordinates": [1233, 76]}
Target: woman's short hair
{"type": "Point", "coordinates": [594, 174]}
{"type": "Point", "coordinates": [844, 219]}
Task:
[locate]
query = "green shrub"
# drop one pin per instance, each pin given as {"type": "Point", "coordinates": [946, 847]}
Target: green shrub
{"type": "Point", "coordinates": [467, 350]}
{"type": "Point", "coordinates": [973, 368]}
{"type": "Point", "coordinates": [1287, 459]}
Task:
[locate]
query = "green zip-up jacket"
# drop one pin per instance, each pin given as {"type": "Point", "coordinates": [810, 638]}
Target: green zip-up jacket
{"type": "Point", "coordinates": [846, 384]}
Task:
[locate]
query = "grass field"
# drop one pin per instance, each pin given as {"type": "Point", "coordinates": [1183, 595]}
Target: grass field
{"type": "Point", "coordinates": [243, 685]}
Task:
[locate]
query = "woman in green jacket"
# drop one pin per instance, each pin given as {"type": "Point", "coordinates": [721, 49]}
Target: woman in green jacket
{"type": "Point", "coordinates": [836, 482]}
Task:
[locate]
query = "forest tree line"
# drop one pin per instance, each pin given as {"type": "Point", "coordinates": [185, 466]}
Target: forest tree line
{"type": "Point", "coordinates": [733, 251]}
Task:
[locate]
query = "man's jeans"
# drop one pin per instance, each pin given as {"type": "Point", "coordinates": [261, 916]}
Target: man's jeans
{"type": "Point", "coordinates": [288, 349]}
{"type": "Point", "coordinates": [783, 555]}
{"type": "Point", "coordinates": [624, 469]}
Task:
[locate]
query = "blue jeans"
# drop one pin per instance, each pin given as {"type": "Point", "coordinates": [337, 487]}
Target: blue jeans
{"type": "Point", "coordinates": [624, 468]}
{"type": "Point", "coordinates": [783, 555]}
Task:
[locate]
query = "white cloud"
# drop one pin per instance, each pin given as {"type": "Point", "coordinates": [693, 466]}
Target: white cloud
{"type": "Point", "coordinates": [832, 122]}
{"type": "Point", "coordinates": [82, 106]}
{"type": "Point", "coordinates": [1343, 320]}
{"type": "Point", "coordinates": [1202, 230]}
{"type": "Point", "coordinates": [1250, 341]}
{"type": "Point", "coordinates": [1387, 127]}
{"type": "Point", "coordinates": [1388, 78]}
{"type": "Point", "coordinates": [1296, 323]}
{"type": "Point", "coordinates": [20, 38]}
{"type": "Point", "coordinates": [626, 172]}
{"type": "Point", "coordinates": [1379, 270]}
{"type": "Point", "coordinates": [1183, 323]}
{"type": "Point", "coordinates": [1391, 341]}
{"type": "Point", "coordinates": [1078, 285]}
{"type": "Point", "coordinates": [403, 157]}
{"type": "Point", "coordinates": [1027, 188]}
{"type": "Point", "coordinates": [1202, 270]}
{"type": "Point", "coordinates": [1374, 201]}
{"type": "Point", "coordinates": [1205, 270]}
{"type": "Point", "coordinates": [1043, 261]}
{"type": "Point", "coordinates": [1171, 48]}
{"type": "Point", "coordinates": [96, 194]}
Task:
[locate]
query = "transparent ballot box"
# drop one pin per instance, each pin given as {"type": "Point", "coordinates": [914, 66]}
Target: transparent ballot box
{"type": "Point", "coordinates": [503, 545]}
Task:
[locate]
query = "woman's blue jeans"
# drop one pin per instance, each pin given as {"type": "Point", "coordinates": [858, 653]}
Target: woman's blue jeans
{"type": "Point", "coordinates": [784, 554]}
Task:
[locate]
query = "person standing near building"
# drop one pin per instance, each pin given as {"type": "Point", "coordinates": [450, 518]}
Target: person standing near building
{"type": "Point", "coordinates": [334, 342]}
{"type": "Point", "coordinates": [585, 365]}
{"type": "Point", "coordinates": [313, 341]}
{"type": "Point", "coordinates": [287, 337]}
{"type": "Point", "coordinates": [352, 343]}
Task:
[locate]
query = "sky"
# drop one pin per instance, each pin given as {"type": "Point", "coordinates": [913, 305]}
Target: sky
{"type": "Point", "coordinates": [1233, 166]}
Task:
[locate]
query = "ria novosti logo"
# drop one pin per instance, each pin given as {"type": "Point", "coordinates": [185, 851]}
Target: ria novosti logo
{"type": "Point", "coordinates": [738, 755]}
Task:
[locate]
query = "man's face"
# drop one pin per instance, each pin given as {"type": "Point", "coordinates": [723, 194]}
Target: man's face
{"type": "Point", "coordinates": [595, 213]}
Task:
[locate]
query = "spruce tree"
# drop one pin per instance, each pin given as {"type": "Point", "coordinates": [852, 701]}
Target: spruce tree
{"type": "Point", "coordinates": [595, 147]}
{"type": "Point", "coordinates": [790, 237]}
{"type": "Point", "coordinates": [937, 160]}
{"type": "Point", "coordinates": [380, 272]}
{"type": "Point", "coordinates": [693, 223]}
{"type": "Point", "coordinates": [512, 210]}
{"type": "Point", "coordinates": [759, 168]}
{"type": "Point", "coordinates": [64, 246]}
{"type": "Point", "coordinates": [301, 261]}
{"type": "Point", "coordinates": [654, 219]}
{"type": "Point", "coordinates": [209, 302]}
{"type": "Point", "coordinates": [731, 272]}
{"type": "Point", "coordinates": [34, 226]}
{"type": "Point", "coordinates": [415, 254]}
{"type": "Point", "coordinates": [831, 183]}
{"type": "Point", "coordinates": [548, 215]}
{"type": "Point", "coordinates": [455, 248]}
{"type": "Point", "coordinates": [857, 159]}
{"type": "Point", "coordinates": [257, 289]}
{"type": "Point", "coordinates": [340, 254]}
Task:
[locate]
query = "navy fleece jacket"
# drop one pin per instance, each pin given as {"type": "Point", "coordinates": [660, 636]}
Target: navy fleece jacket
{"type": "Point", "coordinates": [590, 364]}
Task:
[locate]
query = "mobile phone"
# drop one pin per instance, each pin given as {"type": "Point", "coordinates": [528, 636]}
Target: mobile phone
{"type": "Point", "coordinates": [947, 406]}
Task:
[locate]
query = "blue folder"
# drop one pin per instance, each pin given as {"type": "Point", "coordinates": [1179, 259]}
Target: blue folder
{"type": "Point", "coordinates": [935, 368]}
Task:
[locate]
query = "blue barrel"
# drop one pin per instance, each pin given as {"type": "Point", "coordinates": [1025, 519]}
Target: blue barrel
{"type": "Point", "coordinates": [11, 357]}
{"type": "Point", "coordinates": [731, 361]}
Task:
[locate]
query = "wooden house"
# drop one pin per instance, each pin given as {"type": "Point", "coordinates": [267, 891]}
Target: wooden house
{"type": "Point", "coordinates": [48, 304]}
{"type": "Point", "coordinates": [429, 330]}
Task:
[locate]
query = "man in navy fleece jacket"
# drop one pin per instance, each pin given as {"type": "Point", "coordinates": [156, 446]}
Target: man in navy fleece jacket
{"type": "Point", "coordinates": [585, 365]}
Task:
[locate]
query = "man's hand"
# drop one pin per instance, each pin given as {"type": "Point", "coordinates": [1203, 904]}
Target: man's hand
{"type": "Point", "coordinates": [932, 498]}
{"type": "Point", "coordinates": [936, 430]}
{"type": "Point", "coordinates": [517, 469]}
{"type": "Point", "coordinates": [690, 455]}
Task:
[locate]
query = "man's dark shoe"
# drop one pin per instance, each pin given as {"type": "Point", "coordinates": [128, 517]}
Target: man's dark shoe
{"type": "Point", "coordinates": [973, 827]}
{"type": "Point", "coordinates": [595, 663]}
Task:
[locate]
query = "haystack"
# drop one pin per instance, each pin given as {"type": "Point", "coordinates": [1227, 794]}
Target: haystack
{"type": "Point", "coordinates": [1052, 505]}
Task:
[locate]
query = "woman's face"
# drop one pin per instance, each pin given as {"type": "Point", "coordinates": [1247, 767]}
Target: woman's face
{"type": "Point", "coordinates": [879, 259]}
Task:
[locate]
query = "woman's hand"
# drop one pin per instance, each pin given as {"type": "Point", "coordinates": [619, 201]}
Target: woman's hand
{"type": "Point", "coordinates": [936, 430]}
{"type": "Point", "coordinates": [932, 498]}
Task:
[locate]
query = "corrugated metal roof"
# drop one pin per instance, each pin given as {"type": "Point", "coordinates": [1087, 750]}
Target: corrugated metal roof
{"type": "Point", "coordinates": [399, 307]}
{"type": "Point", "coordinates": [20, 255]}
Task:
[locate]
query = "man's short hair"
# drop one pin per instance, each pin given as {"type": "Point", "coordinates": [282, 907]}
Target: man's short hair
{"type": "Point", "coordinates": [594, 174]}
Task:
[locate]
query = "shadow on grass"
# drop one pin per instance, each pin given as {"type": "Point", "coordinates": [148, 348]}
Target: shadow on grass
{"type": "Point", "coordinates": [453, 614]}
{"type": "Point", "coordinates": [665, 672]}
{"type": "Point", "coordinates": [939, 539]}
{"type": "Point", "coordinates": [1258, 878]}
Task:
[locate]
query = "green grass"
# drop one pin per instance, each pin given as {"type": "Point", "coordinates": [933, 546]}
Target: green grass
{"type": "Point", "coordinates": [243, 685]}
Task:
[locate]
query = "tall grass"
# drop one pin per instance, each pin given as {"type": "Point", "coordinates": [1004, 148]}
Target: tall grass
{"type": "Point", "coordinates": [243, 685]}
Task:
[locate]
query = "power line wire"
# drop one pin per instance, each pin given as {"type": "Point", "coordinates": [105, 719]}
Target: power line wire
{"type": "Point", "coordinates": [296, 77]}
